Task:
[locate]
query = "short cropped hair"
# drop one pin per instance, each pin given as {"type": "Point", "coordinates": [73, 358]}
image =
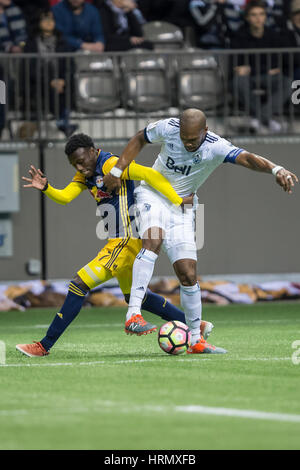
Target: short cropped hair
{"type": "Point", "coordinates": [254, 4]}
{"type": "Point", "coordinates": [77, 141]}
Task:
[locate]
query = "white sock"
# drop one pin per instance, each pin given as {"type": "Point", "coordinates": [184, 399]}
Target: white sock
{"type": "Point", "coordinates": [142, 271]}
{"type": "Point", "coordinates": [190, 297]}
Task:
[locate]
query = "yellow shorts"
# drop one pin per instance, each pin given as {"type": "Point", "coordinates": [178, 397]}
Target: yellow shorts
{"type": "Point", "coordinates": [114, 260]}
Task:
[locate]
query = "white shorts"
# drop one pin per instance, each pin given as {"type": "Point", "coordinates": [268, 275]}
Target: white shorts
{"type": "Point", "coordinates": [154, 210]}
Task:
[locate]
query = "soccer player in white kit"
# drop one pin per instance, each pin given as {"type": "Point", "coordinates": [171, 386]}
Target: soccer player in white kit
{"type": "Point", "coordinates": [188, 155]}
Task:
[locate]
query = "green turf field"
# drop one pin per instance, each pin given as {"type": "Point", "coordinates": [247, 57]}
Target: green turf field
{"type": "Point", "coordinates": [102, 389]}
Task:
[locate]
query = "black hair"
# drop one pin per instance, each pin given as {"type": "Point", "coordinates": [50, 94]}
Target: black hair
{"type": "Point", "coordinates": [254, 4]}
{"type": "Point", "coordinates": [78, 141]}
{"type": "Point", "coordinates": [36, 17]}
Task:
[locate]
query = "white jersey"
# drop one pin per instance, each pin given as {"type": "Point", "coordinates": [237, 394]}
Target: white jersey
{"type": "Point", "coordinates": [187, 171]}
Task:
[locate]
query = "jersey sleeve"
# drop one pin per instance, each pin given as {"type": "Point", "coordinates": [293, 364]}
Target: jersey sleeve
{"type": "Point", "coordinates": [79, 178]}
{"type": "Point", "coordinates": [153, 178]}
{"type": "Point", "coordinates": [66, 195]}
{"type": "Point", "coordinates": [228, 152]}
{"type": "Point", "coordinates": [156, 131]}
{"type": "Point", "coordinates": [137, 172]}
{"type": "Point", "coordinates": [109, 164]}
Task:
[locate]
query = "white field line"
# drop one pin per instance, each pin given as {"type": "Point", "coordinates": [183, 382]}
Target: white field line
{"type": "Point", "coordinates": [193, 361]}
{"type": "Point", "coordinates": [235, 413]}
{"type": "Point", "coordinates": [187, 409]}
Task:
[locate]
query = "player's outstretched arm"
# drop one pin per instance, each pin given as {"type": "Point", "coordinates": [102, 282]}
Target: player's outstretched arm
{"type": "Point", "coordinates": [112, 180]}
{"type": "Point", "coordinates": [39, 181]}
{"type": "Point", "coordinates": [285, 178]}
{"type": "Point", "coordinates": [155, 179]}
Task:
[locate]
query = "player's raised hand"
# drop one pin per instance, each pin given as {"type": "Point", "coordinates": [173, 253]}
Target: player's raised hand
{"type": "Point", "coordinates": [112, 183]}
{"type": "Point", "coordinates": [37, 179]}
{"type": "Point", "coordinates": [286, 179]}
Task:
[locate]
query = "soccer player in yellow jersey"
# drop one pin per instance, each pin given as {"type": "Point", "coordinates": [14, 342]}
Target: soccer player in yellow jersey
{"type": "Point", "coordinates": [117, 257]}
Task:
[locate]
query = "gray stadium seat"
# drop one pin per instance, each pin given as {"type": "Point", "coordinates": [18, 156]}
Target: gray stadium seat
{"type": "Point", "coordinates": [164, 35]}
{"type": "Point", "coordinates": [200, 82]}
{"type": "Point", "coordinates": [97, 84]}
{"type": "Point", "coordinates": [145, 82]}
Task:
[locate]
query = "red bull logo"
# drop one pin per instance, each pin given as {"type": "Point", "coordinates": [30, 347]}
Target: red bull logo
{"type": "Point", "coordinates": [102, 194]}
{"type": "Point", "coordinates": [99, 194]}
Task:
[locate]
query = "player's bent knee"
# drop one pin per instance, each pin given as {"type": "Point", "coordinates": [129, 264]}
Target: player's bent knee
{"type": "Point", "coordinates": [186, 272]}
{"type": "Point", "coordinates": [188, 280]}
{"type": "Point", "coordinates": [79, 282]}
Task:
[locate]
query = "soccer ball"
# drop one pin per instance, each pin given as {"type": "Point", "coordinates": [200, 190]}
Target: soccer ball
{"type": "Point", "coordinates": [174, 337]}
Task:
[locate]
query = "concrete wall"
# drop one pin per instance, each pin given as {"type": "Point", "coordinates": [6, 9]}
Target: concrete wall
{"type": "Point", "coordinates": [251, 225]}
{"type": "Point", "coordinates": [26, 226]}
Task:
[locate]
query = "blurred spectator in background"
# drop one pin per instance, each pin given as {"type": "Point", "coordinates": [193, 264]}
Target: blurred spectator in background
{"type": "Point", "coordinates": [55, 2]}
{"type": "Point", "coordinates": [277, 12]}
{"type": "Point", "coordinates": [51, 73]}
{"type": "Point", "coordinates": [260, 77]}
{"type": "Point", "coordinates": [216, 21]}
{"type": "Point", "coordinates": [155, 10]}
{"type": "Point", "coordinates": [172, 11]}
{"type": "Point", "coordinates": [80, 24]}
{"type": "Point", "coordinates": [292, 34]}
{"type": "Point", "coordinates": [122, 25]}
{"type": "Point", "coordinates": [29, 8]}
{"type": "Point", "coordinates": [13, 33]}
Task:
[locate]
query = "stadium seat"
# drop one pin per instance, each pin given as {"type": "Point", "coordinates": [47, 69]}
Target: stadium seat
{"type": "Point", "coordinates": [97, 84]}
{"type": "Point", "coordinates": [200, 82]}
{"type": "Point", "coordinates": [145, 82]}
{"type": "Point", "coordinates": [164, 35]}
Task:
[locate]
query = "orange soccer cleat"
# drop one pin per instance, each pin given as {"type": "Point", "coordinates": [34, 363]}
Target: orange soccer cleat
{"type": "Point", "coordinates": [202, 347]}
{"type": "Point", "coordinates": [32, 350]}
{"type": "Point", "coordinates": [136, 325]}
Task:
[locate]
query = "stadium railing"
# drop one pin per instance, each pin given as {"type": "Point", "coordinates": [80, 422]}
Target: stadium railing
{"type": "Point", "coordinates": [111, 96]}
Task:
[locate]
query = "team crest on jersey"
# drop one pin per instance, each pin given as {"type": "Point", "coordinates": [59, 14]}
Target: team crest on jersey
{"type": "Point", "coordinates": [171, 146]}
{"type": "Point", "coordinates": [99, 182]}
{"type": "Point", "coordinates": [100, 194]}
{"type": "Point", "coordinates": [196, 158]}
